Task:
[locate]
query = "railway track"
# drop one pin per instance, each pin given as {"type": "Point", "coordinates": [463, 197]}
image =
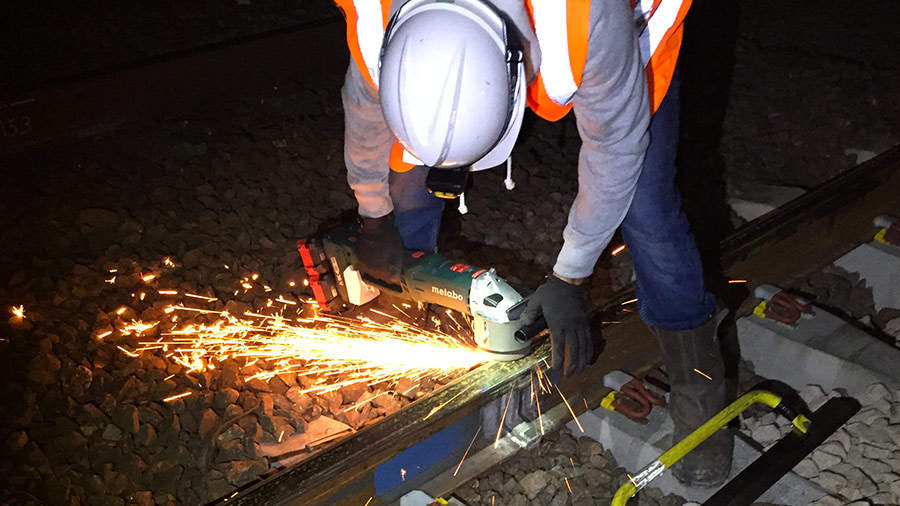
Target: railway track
{"type": "Point", "coordinates": [782, 247]}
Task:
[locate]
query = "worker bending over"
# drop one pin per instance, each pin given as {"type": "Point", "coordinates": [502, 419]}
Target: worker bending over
{"type": "Point", "coordinates": [438, 88]}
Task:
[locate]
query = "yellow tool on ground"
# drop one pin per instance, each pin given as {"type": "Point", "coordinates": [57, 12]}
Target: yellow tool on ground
{"type": "Point", "coordinates": [674, 454]}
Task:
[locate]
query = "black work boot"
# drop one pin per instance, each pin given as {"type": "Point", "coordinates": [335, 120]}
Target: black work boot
{"type": "Point", "coordinates": [698, 392]}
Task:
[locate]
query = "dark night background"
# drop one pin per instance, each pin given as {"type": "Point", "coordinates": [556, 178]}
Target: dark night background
{"type": "Point", "coordinates": [778, 97]}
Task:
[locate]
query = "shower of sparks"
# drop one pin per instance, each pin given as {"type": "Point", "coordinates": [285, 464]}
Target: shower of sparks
{"type": "Point", "coordinates": [168, 262]}
{"type": "Point", "coordinates": [339, 350]}
{"type": "Point", "coordinates": [467, 451]}
{"type": "Point", "coordinates": [177, 396]}
{"type": "Point", "coordinates": [701, 373]}
{"type": "Point", "coordinates": [620, 248]}
{"type": "Point", "coordinates": [18, 311]}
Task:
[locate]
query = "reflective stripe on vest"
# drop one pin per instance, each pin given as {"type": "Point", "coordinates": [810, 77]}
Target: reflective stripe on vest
{"type": "Point", "coordinates": [366, 21]}
{"type": "Point", "coordinates": [562, 32]}
{"type": "Point", "coordinates": [661, 24]}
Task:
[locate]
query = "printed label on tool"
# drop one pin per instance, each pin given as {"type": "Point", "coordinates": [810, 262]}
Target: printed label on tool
{"type": "Point", "coordinates": [446, 292]}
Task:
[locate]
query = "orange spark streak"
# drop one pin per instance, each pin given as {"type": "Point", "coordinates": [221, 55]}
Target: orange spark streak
{"type": "Point", "coordinates": [129, 353]}
{"type": "Point", "coordinates": [620, 248]}
{"type": "Point", "coordinates": [167, 292]}
{"type": "Point", "coordinates": [701, 373]}
{"type": "Point", "coordinates": [402, 474]}
{"type": "Point", "coordinates": [736, 281]}
{"type": "Point", "coordinates": [367, 502]}
{"type": "Point", "coordinates": [201, 297]}
{"type": "Point", "coordinates": [631, 479]}
{"type": "Point", "coordinates": [121, 310]}
{"type": "Point", "coordinates": [568, 486]}
{"type": "Point", "coordinates": [104, 334]}
{"type": "Point", "coordinates": [537, 398]}
{"type": "Point", "coordinates": [146, 278]}
{"type": "Point", "coordinates": [439, 407]}
{"type": "Point", "coordinates": [177, 396]}
{"type": "Point", "coordinates": [503, 418]}
{"type": "Point", "coordinates": [18, 311]}
{"type": "Point", "coordinates": [467, 451]}
{"type": "Point", "coordinates": [570, 409]}
{"type": "Point", "coordinates": [360, 403]}
{"type": "Point", "coordinates": [629, 301]}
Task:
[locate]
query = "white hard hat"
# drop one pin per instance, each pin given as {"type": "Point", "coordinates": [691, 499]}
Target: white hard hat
{"type": "Point", "coordinates": [452, 83]}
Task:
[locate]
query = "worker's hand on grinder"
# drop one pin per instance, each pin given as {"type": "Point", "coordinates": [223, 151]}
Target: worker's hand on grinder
{"type": "Point", "coordinates": [380, 248]}
{"type": "Point", "coordinates": [565, 308]}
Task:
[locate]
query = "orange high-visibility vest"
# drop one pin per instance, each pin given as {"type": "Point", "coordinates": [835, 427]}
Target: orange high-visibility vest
{"type": "Point", "coordinates": [562, 31]}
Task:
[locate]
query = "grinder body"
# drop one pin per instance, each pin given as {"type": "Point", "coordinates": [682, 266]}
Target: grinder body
{"type": "Point", "coordinates": [427, 278]}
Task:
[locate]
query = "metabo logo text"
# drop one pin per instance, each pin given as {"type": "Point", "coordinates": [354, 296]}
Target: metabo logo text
{"type": "Point", "coordinates": [446, 293]}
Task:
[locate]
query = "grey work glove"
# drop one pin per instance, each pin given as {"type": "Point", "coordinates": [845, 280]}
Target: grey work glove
{"type": "Point", "coordinates": [565, 308]}
{"type": "Point", "coordinates": [379, 250]}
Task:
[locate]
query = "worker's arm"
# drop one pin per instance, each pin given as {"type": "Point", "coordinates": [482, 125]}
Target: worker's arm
{"type": "Point", "coordinates": [367, 145]}
{"type": "Point", "coordinates": [612, 113]}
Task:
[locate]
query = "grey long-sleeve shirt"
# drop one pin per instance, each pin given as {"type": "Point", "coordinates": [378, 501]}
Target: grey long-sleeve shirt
{"type": "Point", "coordinates": [612, 113]}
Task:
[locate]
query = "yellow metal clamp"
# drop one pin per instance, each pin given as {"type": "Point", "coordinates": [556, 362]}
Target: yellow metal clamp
{"type": "Point", "coordinates": [760, 309]}
{"type": "Point", "coordinates": [704, 432]}
{"type": "Point", "coordinates": [880, 236]}
{"type": "Point", "coordinates": [607, 401]}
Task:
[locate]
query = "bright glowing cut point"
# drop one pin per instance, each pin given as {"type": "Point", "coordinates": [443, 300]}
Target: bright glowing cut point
{"type": "Point", "coordinates": [18, 311]}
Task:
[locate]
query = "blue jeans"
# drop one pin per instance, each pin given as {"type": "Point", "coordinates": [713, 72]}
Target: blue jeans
{"type": "Point", "coordinates": [417, 213]}
{"type": "Point", "coordinates": [670, 287]}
